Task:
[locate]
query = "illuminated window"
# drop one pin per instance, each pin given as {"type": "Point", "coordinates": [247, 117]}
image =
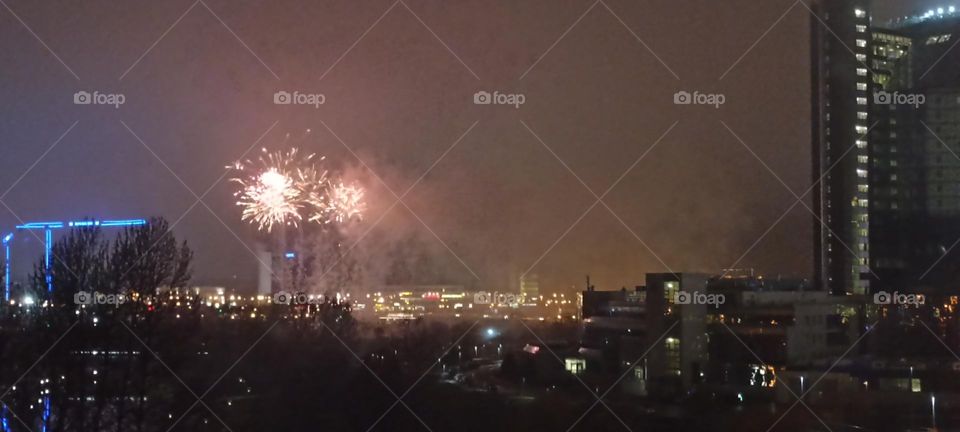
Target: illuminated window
{"type": "Point", "coordinates": [860, 129]}
{"type": "Point", "coordinates": [862, 173]}
{"type": "Point", "coordinates": [861, 115]}
{"type": "Point", "coordinates": [861, 144]}
{"type": "Point", "coordinates": [575, 365]}
{"type": "Point", "coordinates": [861, 57]}
{"type": "Point", "coordinates": [673, 354]}
{"type": "Point", "coordinates": [859, 13]}
{"type": "Point", "coordinates": [861, 28]}
{"type": "Point", "coordinates": [861, 43]}
{"type": "Point", "coordinates": [863, 159]}
{"type": "Point", "coordinates": [861, 101]}
{"type": "Point", "coordinates": [670, 291]}
{"type": "Point", "coordinates": [862, 71]}
{"type": "Point", "coordinates": [862, 86]}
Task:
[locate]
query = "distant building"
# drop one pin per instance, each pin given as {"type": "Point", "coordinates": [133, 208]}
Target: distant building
{"type": "Point", "coordinates": [529, 286]}
{"type": "Point", "coordinates": [840, 119]}
{"type": "Point", "coordinates": [684, 330]}
{"type": "Point", "coordinates": [886, 126]}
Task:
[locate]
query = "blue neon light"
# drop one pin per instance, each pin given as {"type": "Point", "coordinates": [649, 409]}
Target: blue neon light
{"type": "Point", "coordinates": [125, 222]}
{"type": "Point", "coordinates": [290, 255]}
{"type": "Point", "coordinates": [47, 246]}
{"type": "Point", "coordinates": [46, 413]}
{"type": "Point", "coordinates": [41, 225]}
{"type": "Point", "coordinates": [48, 242]}
{"type": "Point", "coordinates": [6, 270]}
{"type": "Point", "coordinates": [3, 420]}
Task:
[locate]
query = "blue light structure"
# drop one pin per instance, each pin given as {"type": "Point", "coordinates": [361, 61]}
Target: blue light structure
{"type": "Point", "coordinates": [4, 423]}
{"type": "Point", "coordinates": [48, 228]}
{"type": "Point", "coordinates": [45, 417]}
{"type": "Point", "coordinates": [6, 266]}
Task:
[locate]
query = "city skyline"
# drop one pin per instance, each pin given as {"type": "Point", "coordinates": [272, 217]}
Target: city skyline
{"type": "Point", "coordinates": [496, 183]}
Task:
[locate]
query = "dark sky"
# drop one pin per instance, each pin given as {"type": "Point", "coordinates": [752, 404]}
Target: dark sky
{"type": "Point", "coordinates": [201, 95]}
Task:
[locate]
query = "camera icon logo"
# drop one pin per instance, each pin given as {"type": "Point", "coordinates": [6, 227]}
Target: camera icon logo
{"type": "Point", "coordinates": [682, 98]}
{"type": "Point", "coordinates": [482, 298]}
{"type": "Point", "coordinates": [482, 98]}
{"type": "Point", "coordinates": [882, 298]}
{"type": "Point", "coordinates": [82, 98]}
{"type": "Point", "coordinates": [282, 98]}
{"type": "Point", "coordinates": [82, 298]}
{"type": "Point", "coordinates": [282, 297]}
{"type": "Point", "coordinates": [682, 298]}
{"type": "Point", "coordinates": [881, 98]}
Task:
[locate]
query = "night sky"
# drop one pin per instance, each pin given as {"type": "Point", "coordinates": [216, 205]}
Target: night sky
{"type": "Point", "coordinates": [399, 94]}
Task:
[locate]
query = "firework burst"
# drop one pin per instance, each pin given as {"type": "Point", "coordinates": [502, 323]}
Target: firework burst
{"type": "Point", "coordinates": [343, 202]}
{"type": "Point", "coordinates": [279, 188]}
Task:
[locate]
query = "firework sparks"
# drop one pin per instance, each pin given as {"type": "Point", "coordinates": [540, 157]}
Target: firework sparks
{"type": "Point", "coordinates": [279, 188]}
{"type": "Point", "coordinates": [268, 191]}
{"type": "Point", "coordinates": [344, 202]}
